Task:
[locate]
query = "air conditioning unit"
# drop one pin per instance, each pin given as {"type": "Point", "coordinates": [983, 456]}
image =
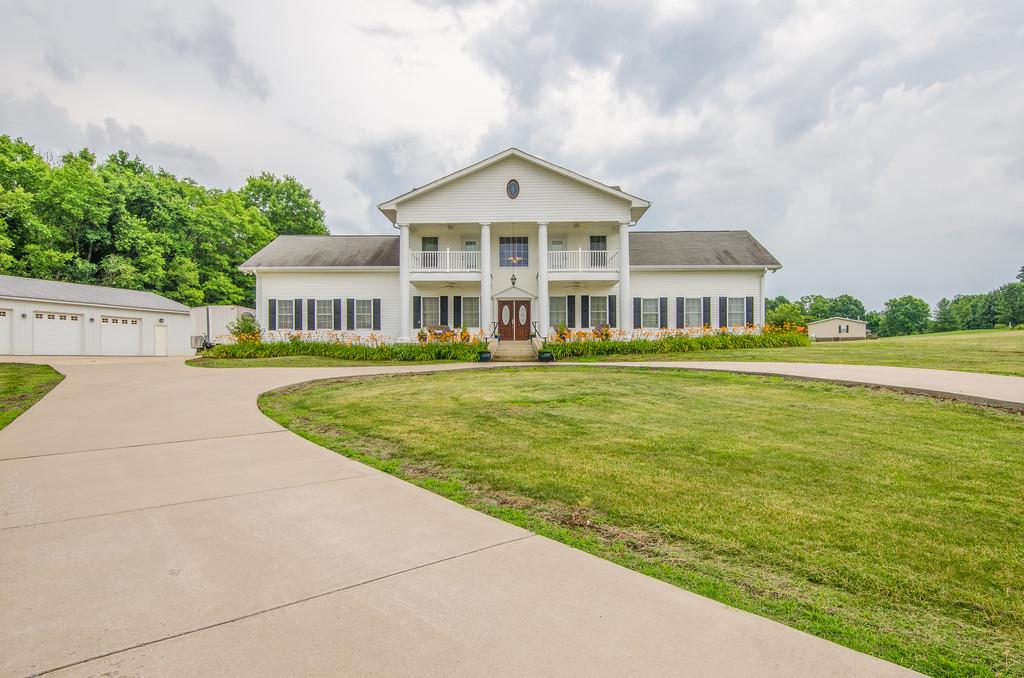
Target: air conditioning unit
{"type": "Point", "coordinates": [198, 341]}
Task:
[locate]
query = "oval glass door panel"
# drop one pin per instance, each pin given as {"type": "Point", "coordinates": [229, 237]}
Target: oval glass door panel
{"type": "Point", "coordinates": [505, 315]}
{"type": "Point", "coordinates": [522, 314]}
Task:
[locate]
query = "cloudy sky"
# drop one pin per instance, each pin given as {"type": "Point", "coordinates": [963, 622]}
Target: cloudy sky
{"type": "Point", "coordinates": [877, 148]}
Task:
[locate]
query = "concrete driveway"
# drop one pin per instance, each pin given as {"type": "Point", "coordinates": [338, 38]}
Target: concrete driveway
{"type": "Point", "coordinates": [154, 522]}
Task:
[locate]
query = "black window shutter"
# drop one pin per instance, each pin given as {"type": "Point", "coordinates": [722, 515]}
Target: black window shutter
{"type": "Point", "coordinates": [272, 314]}
{"type": "Point", "coordinates": [417, 316]}
{"type": "Point", "coordinates": [680, 315]}
{"type": "Point", "coordinates": [584, 310]}
{"type": "Point", "coordinates": [350, 313]}
{"type": "Point", "coordinates": [612, 314]}
{"type": "Point", "coordinates": [637, 321]}
{"type": "Point", "coordinates": [707, 311]}
{"type": "Point", "coordinates": [750, 310]}
{"type": "Point", "coordinates": [337, 314]}
{"type": "Point", "coordinates": [456, 311]}
{"type": "Point", "coordinates": [311, 314]}
{"type": "Point", "coordinates": [663, 312]}
{"type": "Point", "coordinates": [570, 311]}
{"type": "Point", "coordinates": [444, 309]}
{"type": "Point", "coordinates": [297, 314]}
{"type": "Point", "coordinates": [376, 315]}
{"type": "Point", "coordinates": [723, 312]}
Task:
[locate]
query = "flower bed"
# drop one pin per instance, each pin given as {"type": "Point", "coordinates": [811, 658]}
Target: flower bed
{"type": "Point", "coordinates": [580, 344]}
{"type": "Point", "coordinates": [361, 348]}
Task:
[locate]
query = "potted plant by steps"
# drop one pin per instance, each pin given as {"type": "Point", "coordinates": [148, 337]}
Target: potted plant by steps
{"type": "Point", "coordinates": [485, 356]}
{"type": "Point", "coordinates": [545, 356]}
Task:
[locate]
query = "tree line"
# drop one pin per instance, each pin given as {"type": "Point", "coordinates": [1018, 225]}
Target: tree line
{"type": "Point", "coordinates": [123, 223]}
{"type": "Point", "coordinates": [1002, 307]}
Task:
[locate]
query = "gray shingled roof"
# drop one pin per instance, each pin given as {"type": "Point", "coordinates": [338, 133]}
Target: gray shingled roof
{"type": "Point", "coordinates": [52, 290]}
{"type": "Point", "coordinates": [327, 250]}
{"type": "Point", "coordinates": [698, 248]}
{"type": "Point", "coordinates": [646, 248]}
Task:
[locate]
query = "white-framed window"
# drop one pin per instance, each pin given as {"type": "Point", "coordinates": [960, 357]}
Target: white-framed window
{"type": "Point", "coordinates": [514, 251]}
{"type": "Point", "coordinates": [693, 312]}
{"type": "Point", "coordinates": [324, 315]}
{"type": "Point", "coordinates": [844, 329]}
{"type": "Point", "coordinates": [557, 245]}
{"type": "Point", "coordinates": [471, 244]}
{"type": "Point", "coordinates": [364, 314]}
{"type": "Point", "coordinates": [285, 314]}
{"type": "Point", "coordinates": [559, 311]}
{"type": "Point", "coordinates": [471, 311]}
{"type": "Point", "coordinates": [736, 314]}
{"type": "Point", "coordinates": [430, 308]}
{"type": "Point", "coordinates": [599, 311]}
{"type": "Point", "coordinates": [649, 313]}
{"type": "Point", "coordinates": [429, 243]}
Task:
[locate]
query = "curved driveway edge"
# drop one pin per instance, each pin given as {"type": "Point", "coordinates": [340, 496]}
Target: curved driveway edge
{"type": "Point", "coordinates": [994, 390]}
{"type": "Point", "coordinates": [154, 522]}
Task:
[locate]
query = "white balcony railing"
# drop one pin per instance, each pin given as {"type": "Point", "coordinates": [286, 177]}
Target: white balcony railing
{"type": "Point", "coordinates": [582, 260]}
{"type": "Point", "coordinates": [445, 261]}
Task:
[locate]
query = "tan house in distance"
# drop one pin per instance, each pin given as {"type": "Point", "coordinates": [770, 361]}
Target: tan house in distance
{"type": "Point", "coordinates": [837, 329]}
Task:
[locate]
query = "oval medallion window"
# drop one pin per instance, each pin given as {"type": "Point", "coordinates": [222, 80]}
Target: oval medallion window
{"type": "Point", "coordinates": [522, 314]}
{"type": "Point", "coordinates": [505, 315]}
{"type": "Point", "coordinates": [512, 188]}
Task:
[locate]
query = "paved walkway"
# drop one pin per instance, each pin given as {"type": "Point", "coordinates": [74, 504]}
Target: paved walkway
{"type": "Point", "coordinates": [984, 389]}
{"type": "Point", "coordinates": [154, 522]}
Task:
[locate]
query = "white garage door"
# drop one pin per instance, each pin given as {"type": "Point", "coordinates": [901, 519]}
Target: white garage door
{"type": "Point", "coordinates": [120, 336]}
{"type": "Point", "coordinates": [57, 333]}
{"type": "Point", "coordinates": [5, 330]}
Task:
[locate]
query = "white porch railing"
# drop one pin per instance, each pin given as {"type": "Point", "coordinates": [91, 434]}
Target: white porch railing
{"type": "Point", "coordinates": [582, 260]}
{"type": "Point", "coordinates": [445, 261]}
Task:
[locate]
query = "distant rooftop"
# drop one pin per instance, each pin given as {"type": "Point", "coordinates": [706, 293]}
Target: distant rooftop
{"type": "Point", "coordinates": [52, 290]}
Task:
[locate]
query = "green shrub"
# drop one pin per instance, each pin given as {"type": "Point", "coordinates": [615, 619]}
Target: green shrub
{"type": "Point", "coordinates": [343, 351]}
{"type": "Point", "coordinates": [245, 329]}
{"type": "Point", "coordinates": [681, 344]}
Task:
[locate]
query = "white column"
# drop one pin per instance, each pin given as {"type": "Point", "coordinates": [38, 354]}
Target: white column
{"type": "Point", "coordinates": [485, 277]}
{"type": "Point", "coordinates": [542, 280]}
{"type": "Point", "coordinates": [404, 309]}
{"type": "Point", "coordinates": [625, 297]}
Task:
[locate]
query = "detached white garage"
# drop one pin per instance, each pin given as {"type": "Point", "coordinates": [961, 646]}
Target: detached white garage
{"type": "Point", "coordinates": [45, 317]}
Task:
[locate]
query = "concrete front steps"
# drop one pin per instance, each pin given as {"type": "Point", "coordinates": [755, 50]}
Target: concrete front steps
{"type": "Point", "coordinates": [513, 351]}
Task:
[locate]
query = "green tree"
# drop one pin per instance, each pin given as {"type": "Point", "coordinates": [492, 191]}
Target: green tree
{"type": "Point", "coordinates": [874, 319]}
{"type": "Point", "coordinates": [288, 205]}
{"type": "Point", "coordinates": [1020, 274]}
{"type": "Point", "coordinates": [785, 313]}
{"type": "Point", "coordinates": [77, 202]}
{"type": "Point", "coordinates": [944, 318]}
{"type": "Point", "coordinates": [774, 302]}
{"type": "Point", "coordinates": [846, 306]}
{"type": "Point", "coordinates": [905, 315]}
{"type": "Point", "coordinates": [1010, 304]}
{"type": "Point", "coordinates": [815, 306]}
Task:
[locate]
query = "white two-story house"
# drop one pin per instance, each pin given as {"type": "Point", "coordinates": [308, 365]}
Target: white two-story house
{"type": "Point", "coordinates": [512, 245]}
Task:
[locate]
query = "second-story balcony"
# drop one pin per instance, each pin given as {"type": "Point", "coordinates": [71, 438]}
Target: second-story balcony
{"type": "Point", "coordinates": [582, 260]}
{"type": "Point", "coordinates": [445, 261]}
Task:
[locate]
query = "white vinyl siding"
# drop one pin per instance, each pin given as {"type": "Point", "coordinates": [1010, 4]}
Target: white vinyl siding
{"type": "Point", "coordinates": [285, 314]}
{"type": "Point", "coordinates": [471, 311]}
{"type": "Point", "coordinates": [649, 313]}
{"type": "Point", "coordinates": [693, 312]}
{"type": "Point", "coordinates": [430, 308]}
{"type": "Point", "coordinates": [598, 311]}
{"type": "Point", "coordinates": [714, 284]}
{"type": "Point", "coordinates": [559, 311]}
{"type": "Point", "coordinates": [737, 312]}
{"type": "Point", "coordinates": [324, 315]}
{"type": "Point", "coordinates": [346, 285]}
{"type": "Point", "coordinates": [364, 314]}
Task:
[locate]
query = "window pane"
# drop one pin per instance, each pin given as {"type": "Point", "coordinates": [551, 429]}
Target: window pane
{"type": "Point", "coordinates": [513, 251]}
{"type": "Point", "coordinates": [285, 314]}
{"type": "Point", "coordinates": [598, 311]}
{"type": "Point", "coordinates": [471, 245]}
{"type": "Point", "coordinates": [429, 243]}
{"type": "Point", "coordinates": [559, 315]}
{"type": "Point", "coordinates": [557, 245]}
{"type": "Point", "coordinates": [737, 311]}
{"type": "Point", "coordinates": [431, 307]}
{"type": "Point", "coordinates": [364, 314]}
{"type": "Point", "coordinates": [693, 313]}
{"type": "Point", "coordinates": [649, 313]}
{"type": "Point", "coordinates": [324, 314]}
{"type": "Point", "coordinates": [471, 311]}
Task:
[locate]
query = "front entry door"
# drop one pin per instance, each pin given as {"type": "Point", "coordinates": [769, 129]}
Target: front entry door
{"type": "Point", "coordinates": [514, 320]}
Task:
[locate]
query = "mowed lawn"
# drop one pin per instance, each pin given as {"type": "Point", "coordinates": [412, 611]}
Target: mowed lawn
{"type": "Point", "coordinates": [994, 351]}
{"type": "Point", "coordinates": [21, 386]}
{"type": "Point", "coordinates": [888, 523]}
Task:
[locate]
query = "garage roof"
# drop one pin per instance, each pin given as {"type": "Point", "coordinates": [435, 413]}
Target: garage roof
{"type": "Point", "coordinates": [94, 295]}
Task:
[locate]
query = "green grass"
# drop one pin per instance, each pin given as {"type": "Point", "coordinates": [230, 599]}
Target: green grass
{"type": "Point", "coordinates": [21, 386]}
{"type": "Point", "coordinates": [301, 361]}
{"type": "Point", "coordinates": [889, 523]}
{"type": "Point", "coordinates": [993, 351]}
